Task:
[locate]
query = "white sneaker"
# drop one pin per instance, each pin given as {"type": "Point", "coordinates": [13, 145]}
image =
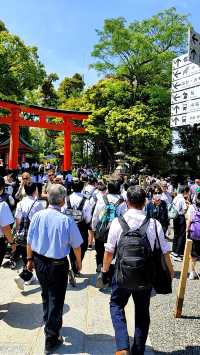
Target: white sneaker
{"type": "Point", "coordinates": [30, 281]}
{"type": "Point", "coordinates": [20, 282]}
{"type": "Point", "coordinates": [193, 276]}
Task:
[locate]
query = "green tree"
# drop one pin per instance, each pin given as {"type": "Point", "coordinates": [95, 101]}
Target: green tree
{"type": "Point", "coordinates": [139, 56]}
{"type": "Point", "coordinates": [140, 49]}
{"type": "Point", "coordinates": [20, 67]}
{"type": "Point", "coordinates": [48, 92]}
{"type": "Point", "coordinates": [71, 86]}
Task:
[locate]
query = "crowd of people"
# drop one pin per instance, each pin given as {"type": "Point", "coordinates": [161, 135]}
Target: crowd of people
{"type": "Point", "coordinates": [89, 211]}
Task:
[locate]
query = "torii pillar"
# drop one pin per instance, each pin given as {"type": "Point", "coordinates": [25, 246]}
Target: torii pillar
{"type": "Point", "coordinates": [14, 140]}
{"type": "Point", "coordinates": [67, 163]}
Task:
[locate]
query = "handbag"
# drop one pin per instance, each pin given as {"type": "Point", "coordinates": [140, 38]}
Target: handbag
{"type": "Point", "coordinates": [172, 211]}
{"type": "Point", "coordinates": [162, 283]}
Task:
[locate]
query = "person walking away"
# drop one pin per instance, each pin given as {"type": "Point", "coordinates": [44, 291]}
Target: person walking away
{"type": "Point", "coordinates": [79, 208]}
{"type": "Point", "coordinates": [90, 192]}
{"type": "Point", "coordinates": [6, 220]}
{"type": "Point", "coordinates": [193, 233]}
{"type": "Point", "coordinates": [108, 207]}
{"type": "Point", "coordinates": [48, 246]}
{"type": "Point", "coordinates": [181, 204]}
{"type": "Point", "coordinates": [68, 181]}
{"type": "Point", "coordinates": [157, 209]}
{"type": "Point", "coordinates": [25, 210]}
{"type": "Point", "coordinates": [134, 219]}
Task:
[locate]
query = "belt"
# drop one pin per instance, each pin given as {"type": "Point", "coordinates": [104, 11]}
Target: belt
{"type": "Point", "coordinates": [51, 260]}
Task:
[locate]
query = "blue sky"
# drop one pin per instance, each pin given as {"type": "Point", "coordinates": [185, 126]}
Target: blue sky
{"type": "Point", "coordinates": [64, 31]}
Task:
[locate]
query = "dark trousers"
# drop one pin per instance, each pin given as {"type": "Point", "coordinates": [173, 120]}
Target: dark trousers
{"type": "Point", "coordinates": [179, 235]}
{"type": "Point", "coordinates": [52, 275]}
{"type": "Point", "coordinates": [2, 249]}
{"type": "Point", "coordinates": [84, 233]}
{"type": "Point", "coordinates": [99, 247]}
{"type": "Point", "coordinates": [119, 299]}
{"type": "Point", "coordinates": [21, 250]}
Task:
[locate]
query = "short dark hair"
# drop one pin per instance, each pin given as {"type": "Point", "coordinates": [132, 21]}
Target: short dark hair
{"type": "Point", "coordinates": [136, 196]}
{"type": "Point", "coordinates": [77, 186]}
{"type": "Point", "coordinates": [114, 187]}
{"type": "Point", "coordinates": [30, 188]}
{"type": "Point", "coordinates": [101, 186]}
{"type": "Point", "coordinates": [92, 180]}
{"type": "Point", "coordinates": [184, 189]}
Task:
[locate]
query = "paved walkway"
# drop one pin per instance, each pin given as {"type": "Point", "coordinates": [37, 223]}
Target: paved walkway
{"type": "Point", "coordinates": [87, 328]}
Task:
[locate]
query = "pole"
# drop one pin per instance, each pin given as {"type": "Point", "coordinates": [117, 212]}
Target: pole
{"type": "Point", "coordinates": [183, 279]}
{"type": "Point", "coordinates": [14, 141]}
{"type": "Point", "coordinates": [67, 149]}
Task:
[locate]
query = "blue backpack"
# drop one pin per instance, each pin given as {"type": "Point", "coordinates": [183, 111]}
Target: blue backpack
{"type": "Point", "coordinates": [107, 214]}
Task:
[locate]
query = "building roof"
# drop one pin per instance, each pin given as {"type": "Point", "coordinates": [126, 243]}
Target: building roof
{"type": "Point", "coordinates": [5, 143]}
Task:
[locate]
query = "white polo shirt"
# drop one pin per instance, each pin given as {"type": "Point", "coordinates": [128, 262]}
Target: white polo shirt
{"type": "Point", "coordinates": [135, 218]}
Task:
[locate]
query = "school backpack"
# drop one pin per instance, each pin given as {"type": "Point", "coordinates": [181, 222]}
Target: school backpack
{"type": "Point", "coordinates": [195, 225]}
{"type": "Point", "coordinates": [134, 267]}
{"type": "Point", "coordinates": [21, 234]}
{"type": "Point", "coordinates": [106, 216]}
{"type": "Point", "coordinates": [75, 213]}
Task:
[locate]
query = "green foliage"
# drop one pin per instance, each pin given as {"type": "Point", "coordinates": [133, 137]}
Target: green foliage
{"type": "Point", "coordinates": [20, 68]}
{"type": "Point", "coordinates": [48, 92]}
{"type": "Point", "coordinates": [137, 50]}
{"type": "Point", "coordinates": [70, 87]}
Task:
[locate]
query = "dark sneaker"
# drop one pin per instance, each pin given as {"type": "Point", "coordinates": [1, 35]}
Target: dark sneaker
{"type": "Point", "coordinates": [72, 279]}
{"type": "Point", "coordinates": [101, 282]}
{"type": "Point", "coordinates": [49, 349]}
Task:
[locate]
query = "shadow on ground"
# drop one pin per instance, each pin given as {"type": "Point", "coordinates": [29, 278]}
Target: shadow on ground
{"type": "Point", "coordinates": [25, 316]}
{"type": "Point", "coordinates": [189, 350]}
{"type": "Point", "coordinates": [78, 342]}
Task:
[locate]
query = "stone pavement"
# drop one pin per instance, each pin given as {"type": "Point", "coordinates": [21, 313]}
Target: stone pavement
{"type": "Point", "coordinates": [87, 328]}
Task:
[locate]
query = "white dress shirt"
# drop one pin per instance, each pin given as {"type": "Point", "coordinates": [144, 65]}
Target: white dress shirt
{"type": "Point", "coordinates": [135, 218]}
{"type": "Point", "coordinates": [26, 205]}
{"type": "Point", "coordinates": [6, 216]}
{"type": "Point", "coordinates": [180, 204]}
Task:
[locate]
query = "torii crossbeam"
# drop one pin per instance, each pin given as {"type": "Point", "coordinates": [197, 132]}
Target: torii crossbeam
{"type": "Point", "coordinates": [20, 114]}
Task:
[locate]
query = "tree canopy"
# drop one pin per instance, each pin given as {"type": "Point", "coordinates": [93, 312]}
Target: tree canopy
{"type": "Point", "coordinates": [20, 67]}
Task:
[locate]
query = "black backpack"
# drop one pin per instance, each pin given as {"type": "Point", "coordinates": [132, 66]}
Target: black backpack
{"type": "Point", "coordinates": [134, 266]}
{"type": "Point", "coordinates": [21, 235]}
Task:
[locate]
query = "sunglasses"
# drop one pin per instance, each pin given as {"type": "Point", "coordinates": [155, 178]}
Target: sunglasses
{"type": "Point", "coordinates": [25, 178]}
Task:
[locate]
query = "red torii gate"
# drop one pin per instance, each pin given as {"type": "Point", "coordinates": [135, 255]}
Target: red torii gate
{"type": "Point", "coordinates": [40, 118]}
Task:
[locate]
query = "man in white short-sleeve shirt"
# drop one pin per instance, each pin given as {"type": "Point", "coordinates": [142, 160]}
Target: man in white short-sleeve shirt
{"type": "Point", "coordinates": [136, 199]}
{"type": "Point", "coordinates": [6, 219]}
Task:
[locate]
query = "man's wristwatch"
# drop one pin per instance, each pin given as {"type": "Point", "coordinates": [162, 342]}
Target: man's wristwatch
{"type": "Point", "coordinates": [29, 258]}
